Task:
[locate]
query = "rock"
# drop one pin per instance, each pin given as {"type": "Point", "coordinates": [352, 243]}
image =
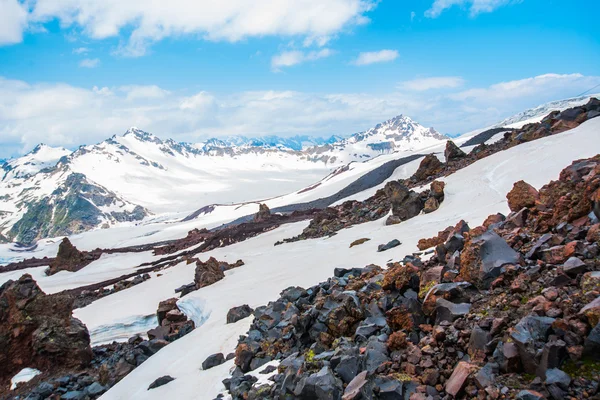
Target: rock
{"type": "Point", "coordinates": [429, 166]}
{"type": "Point", "coordinates": [263, 213]}
{"type": "Point", "coordinates": [238, 313]}
{"type": "Point", "coordinates": [453, 152]}
{"type": "Point", "coordinates": [592, 311]}
{"type": "Point", "coordinates": [447, 311]}
{"type": "Point", "coordinates": [477, 342]}
{"type": "Point", "coordinates": [151, 347]}
{"type": "Point", "coordinates": [529, 335]}
{"type": "Point", "coordinates": [359, 242]}
{"type": "Point", "coordinates": [390, 245]}
{"type": "Point", "coordinates": [522, 195]}
{"type": "Point", "coordinates": [175, 316]}
{"type": "Point", "coordinates": [95, 389]}
{"type": "Point", "coordinates": [164, 307]}
{"type": "Point", "coordinates": [73, 395]}
{"type": "Point", "coordinates": [486, 376]}
{"type": "Point", "coordinates": [437, 190]}
{"type": "Point", "coordinates": [484, 258]}
{"type": "Point", "coordinates": [530, 395]}
{"type": "Point", "coordinates": [347, 368]}
{"type": "Point", "coordinates": [591, 348]}
{"type": "Point", "coordinates": [163, 380]}
{"type": "Point", "coordinates": [39, 330]}
{"type": "Point", "coordinates": [390, 389]}
{"type": "Point", "coordinates": [459, 376]}
{"type": "Point", "coordinates": [213, 361]}
{"type": "Point", "coordinates": [355, 386]}
{"type": "Point", "coordinates": [322, 385]}
{"type": "Point", "coordinates": [574, 266]}
{"type": "Point", "coordinates": [407, 208]}
{"type": "Point", "coordinates": [557, 377]}
{"type": "Point", "coordinates": [431, 204]}
{"type": "Point", "coordinates": [68, 258]}
{"type": "Point", "coordinates": [590, 282]}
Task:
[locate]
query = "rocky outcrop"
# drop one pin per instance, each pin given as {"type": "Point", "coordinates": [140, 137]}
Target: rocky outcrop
{"type": "Point", "coordinates": [70, 259]}
{"type": "Point", "coordinates": [212, 271]}
{"type": "Point", "coordinates": [39, 330]}
{"type": "Point", "coordinates": [238, 313]}
{"type": "Point", "coordinates": [453, 152]}
{"type": "Point", "coordinates": [521, 196]}
{"type": "Point", "coordinates": [263, 213]}
{"type": "Point", "coordinates": [494, 307]}
{"type": "Point", "coordinates": [429, 166]}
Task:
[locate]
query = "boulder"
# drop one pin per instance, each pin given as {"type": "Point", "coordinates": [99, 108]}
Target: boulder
{"type": "Point", "coordinates": [389, 245]}
{"type": "Point", "coordinates": [354, 388]}
{"type": "Point", "coordinates": [437, 189]}
{"type": "Point", "coordinates": [453, 152]}
{"type": "Point", "coordinates": [358, 242]}
{"type": "Point", "coordinates": [213, 361]}
{"type": "Point", "coordinates": [39, 330]}
{"type": "Point", "coordinates": [431, 204]}
{"type": "Point", "coordinates": [530, 335]}
{"type": "Point", "coordinates": [429, 166]}
{"type": "Point", "coordinates": [212, 271]}
{"type": "Point", "coordinates": [164, 307]}
{"type": "Point", "coordinates": [592, 311]}
{"type": "Point", "coordinates": [530, 395]}
{"type": "Point", "coordinates": [522, 195]}
{"type": "Point", "coordinates": [574, 266]}
{"type": "Point", "coordinates": [555, 376]}
{"type": "Point", "coordinates": [447, 311]}
{"type": "Point", "coordinates": [484, 257]}
{"type": "Point", "coordinates": [163, 380]}
{"type": "Point", "coordinates": [323, 385]}
{"type": "Point", "coordinates": [591, 348]}
{"type": "Point", "coordinates": [238, 313]}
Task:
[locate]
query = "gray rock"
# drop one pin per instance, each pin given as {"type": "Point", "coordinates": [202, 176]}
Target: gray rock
{"type": "Point", "coordinates": [391, 244]}
{"type": "Point", "coordinates": [151, 347]}
{"type": "Point", "coordinates": [354, 388]}
{"type": "Point", "coordinates": [390, 389]}
{"type": "Point", "coordinates": [574, 266]}
{"type": "Point", "coordinates": [486, 376]}
{"type": "Point", "coordinates": [557, 377]}
{"type": "Point", "coordinates": [530, 395]}
{"type": "Point", "coordinates": [591, 348]}
{"type": "Point", "coordinates": [447, 311]}
{"type": "Point", "coordinates": [213, 360]}
{"type": "Point", "coordinates": [73, 395]}
{"type": "Point", "coordinates": [347, 368]}
{"type": "Point", "coordinates": [238, 313]}
{"type": "Point", "coordinates": [163, 380]}
{"type": "Point", "coordinates": [95, 389]}
{"type": "Point", "coordinates": [322, 385]}
{"type": "Point", "coordinates": [530, 334]}
{"type": "Point", "coordinates": [495, 253]}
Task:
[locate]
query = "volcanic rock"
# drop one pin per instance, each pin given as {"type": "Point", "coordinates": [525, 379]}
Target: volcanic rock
{"type": "Point", "coordinates": [429, 166]}
{"type": "Point", "coordinates": [453, 152]}
{"type": "Point", "coordinates": [212, 271]}
{"type": "Point", "coordinates": [263, 213]}
{"type": "Point", "coordinates": [521, 196]}
{"type": "Point", "coordinates": [38, 330]}
{"type": "Point", "coordinates": [390, 245]}
{"type": "Point", "coordinates": [69, 258]}
{"type": "Point", "coordinates": [213, 361]}
{"type": "Point", "coordinates": [163, 380]}
{"type": "Point", "coordinates": [237, 313]}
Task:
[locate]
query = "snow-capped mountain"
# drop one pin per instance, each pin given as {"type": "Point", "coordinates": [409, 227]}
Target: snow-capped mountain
{"type": "Point", "coordinates": [130, 176]}
{"type": "Point", "coordinates": [41, 157]}
{"type": "Point", "coordinates": [397, 134]}
{"type": "Point", "coordinates": [537, 113]}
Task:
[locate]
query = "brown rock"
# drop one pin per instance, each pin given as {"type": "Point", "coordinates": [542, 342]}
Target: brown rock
{"type": "Point", "coordinates": [459, 376]}
{"type": "Point", "coordinates": [263, 213]}
{"type": "Point", "coordinates": [592, 311]}
{"type": "Point", "coordinates": [39, 330]}
{"type": "Point", "coordinates": [453, 152]}
{"type": "Point", "coordinates": [69, 258]}
{"type": "Point", "coordinates": [437, 189]}
{"type": "Point", "coordinates": [212, 271]}
{"type": "Point", "coordinates": [430, 165]}
{"type": "Point", "coordinates": [358, 242]}
{"type": "Point", "coordinates": [522, 195]}
{"type": "Point", "coordinates": [164, 307]}
{"type": "Point", "coordinates": [431, 204]}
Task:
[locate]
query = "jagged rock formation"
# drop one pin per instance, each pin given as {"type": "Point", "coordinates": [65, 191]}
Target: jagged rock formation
{"type": "Point", "coordinates": [39, 330]}
{"type": "Point", "coordinates": [509, 309]}
{"type": "Point", "coordinates": [263, 213]}
{"type": "Point", "coordinates": [70, 259]}
{"type": "Point", "coordinates": [453, 152]}
{"type": "Point", "coordinates": [212, 271]}
{"type": "Point", "coordinates": [429, 166]}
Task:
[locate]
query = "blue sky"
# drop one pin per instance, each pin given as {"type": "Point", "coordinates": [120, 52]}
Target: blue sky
{"type": "Point", "coordinates": [74, 71]}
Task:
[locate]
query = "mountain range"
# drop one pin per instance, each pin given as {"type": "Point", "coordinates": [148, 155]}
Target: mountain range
{"type": "Point", "coordinates": [124, 179]}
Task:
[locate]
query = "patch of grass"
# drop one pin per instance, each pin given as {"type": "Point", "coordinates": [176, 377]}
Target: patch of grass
{"type": "Point", "coordinates": [588, 369]}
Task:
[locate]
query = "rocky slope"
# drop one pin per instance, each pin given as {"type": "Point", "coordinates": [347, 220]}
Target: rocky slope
{"type": "Point", "coordinates": [509, 309]}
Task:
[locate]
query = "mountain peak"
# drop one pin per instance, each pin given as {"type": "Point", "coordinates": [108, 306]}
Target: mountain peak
{"type": "Point", "coordinates": [141, 135]}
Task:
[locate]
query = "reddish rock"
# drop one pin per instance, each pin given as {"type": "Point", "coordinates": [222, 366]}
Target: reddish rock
{"type": "Point", "coordinates": [437, 189]}
{"type": "Point", "coordinates": [212, 271]}
{"type": "Point", "coordinates": [39, 330]}
{"type": "Point", "coordinates": [430, 166]}
{"type": "Point", "coordinates": [263, 213]}
{"type": "Point", "coordinates": [431, 204]}
{"type": "Point", "coordinates": [459, 377]}
{"type": "Point", "coordinates": [522, 195]}
{"type": "Point", "coordinates": [69, 258]}
{"type": "Point", "coordinates": [453, 152]}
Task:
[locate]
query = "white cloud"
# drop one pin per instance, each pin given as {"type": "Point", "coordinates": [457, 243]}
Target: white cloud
{"type": "Point", "coordinates": [135, 92]}
{"type": "Point", "coordinates": [89, 62]}
{"type": "Point", "coordinates": [475, 6]}
{"type": "Point", "coordinates": [81, 50]}
{"type": "Point", "coordinates": [146, 22]}
{"type": "Point", "coordinates": [60, 114]}
{"type": "Point", "coordinates": [294, 57]}
{"type": "Point", "coordinates": [436, 82]}
{"type": "Point", "coordinates": [412, 16]}
{"type": "Point", "coordinates": [373, 57]}
{"type": "Point", "coordinates": [13, 20]}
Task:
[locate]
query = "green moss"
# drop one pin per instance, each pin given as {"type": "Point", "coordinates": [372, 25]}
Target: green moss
{"type": "Point", "coordinates": [588, 369]}
{"type": "Point", "coordinates": [425, 289]}
{"type": "Point", "coordinates": [309, 356]}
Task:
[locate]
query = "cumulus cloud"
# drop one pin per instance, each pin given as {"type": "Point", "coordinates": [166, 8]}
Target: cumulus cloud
{"type": "Point", "coordinates": [145, 22]}
{"type": "Point", "coordinates": [475, 6]}
{"type": "Point", "coordinates": [13, 20]}
{"type": "Point", "coordinates": [89, 63]}
{"type": "Point", "coordinates": [294, 57]}
{"type": "Point", "coordinates": [436, 82]}
{"type": "Point", "coordinates": [60, 114]}
{"type": "Point", "coordinates": [373, 57]}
